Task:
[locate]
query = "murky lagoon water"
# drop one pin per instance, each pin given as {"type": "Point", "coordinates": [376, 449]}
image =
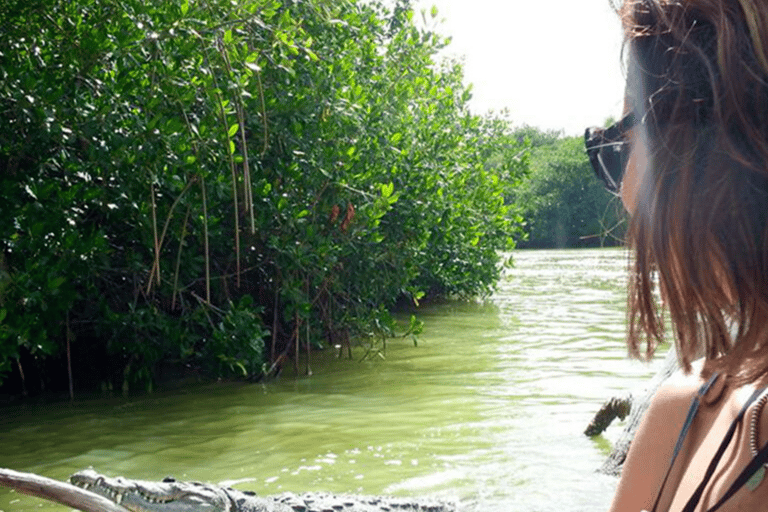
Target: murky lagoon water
{"type": "Point", "coordinates": [489, 409]}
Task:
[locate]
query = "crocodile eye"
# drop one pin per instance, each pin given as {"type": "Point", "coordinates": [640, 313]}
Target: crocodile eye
{"type": "Point", "coordinates": [169, 480]}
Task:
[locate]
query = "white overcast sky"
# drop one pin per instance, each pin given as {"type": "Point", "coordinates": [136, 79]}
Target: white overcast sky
{"type": "Point", "coordinates": [555, 64]}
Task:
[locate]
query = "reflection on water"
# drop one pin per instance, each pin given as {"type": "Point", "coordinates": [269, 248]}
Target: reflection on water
{"type": "Point", "coordinates": [488, 409]}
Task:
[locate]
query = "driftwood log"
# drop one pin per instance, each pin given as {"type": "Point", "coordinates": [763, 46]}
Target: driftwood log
{"type": "Point", "coordinates": [620, 407]}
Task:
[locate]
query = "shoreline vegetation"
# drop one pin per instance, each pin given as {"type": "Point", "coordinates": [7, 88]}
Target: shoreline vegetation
{"type": "Point", "coordinates": [216, 187]}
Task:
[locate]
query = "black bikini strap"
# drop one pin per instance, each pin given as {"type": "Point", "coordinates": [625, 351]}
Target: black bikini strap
{"type": "Point", "coordinates": [691, 505]}
{"type": "Point", "coordinates": [686, 426]}
{"type": "Point", "coordinates": [760, 459]}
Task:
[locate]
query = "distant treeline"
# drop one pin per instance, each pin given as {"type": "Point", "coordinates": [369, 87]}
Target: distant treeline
{"type": "Point", "coordinates": [562, 202]}
{"type": "Point", "coordinates": [213, 185]}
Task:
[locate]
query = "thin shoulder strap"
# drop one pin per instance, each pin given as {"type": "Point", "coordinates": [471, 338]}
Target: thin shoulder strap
{"type": "Point", "coordinates": [691, 505]}
{"type": "Point", "coordinates": [760, 459]}
{"type": "Point", "coordinates": [684, 432]}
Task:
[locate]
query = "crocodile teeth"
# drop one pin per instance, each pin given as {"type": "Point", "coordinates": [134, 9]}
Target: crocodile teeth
{"type": "Point", "coordinates": [119, 498]}
{"type": "Point", "coordinates": [86, 486]}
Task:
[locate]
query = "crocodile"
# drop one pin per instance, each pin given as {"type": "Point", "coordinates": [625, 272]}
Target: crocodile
{"type": "Point", "coordinates": [169, 495]}
{"type": "Point", "coordinates": [635, 407]}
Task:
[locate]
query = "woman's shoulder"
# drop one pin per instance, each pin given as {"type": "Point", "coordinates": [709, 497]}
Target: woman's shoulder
{"type": "Point", "coordinates": [651, 450]}
{"type": "Point", "coordinates": [682, 386]}
{"type": "Point", "coordinates": [671, 401]}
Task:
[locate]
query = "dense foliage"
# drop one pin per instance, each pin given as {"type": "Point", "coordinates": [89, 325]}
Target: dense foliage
{"type": "Point", "coordinates": [563, 204]}
{"type": "Point", "coordinates": [212, 183]}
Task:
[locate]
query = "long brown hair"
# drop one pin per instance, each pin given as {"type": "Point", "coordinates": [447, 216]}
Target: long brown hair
{"type": "Point", "coordinates": [698, 78]}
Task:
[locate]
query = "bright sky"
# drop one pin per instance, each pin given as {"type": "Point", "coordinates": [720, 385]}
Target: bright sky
{"type": "Point", "coordinates": [555, 64]}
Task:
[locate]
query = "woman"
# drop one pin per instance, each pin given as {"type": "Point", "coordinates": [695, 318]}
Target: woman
{"type": "Point", "coordinates": [695, 181]}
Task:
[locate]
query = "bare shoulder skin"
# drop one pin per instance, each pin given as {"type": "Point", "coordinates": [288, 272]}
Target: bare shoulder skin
{"type": "Point", "coordinates": [651, 450]}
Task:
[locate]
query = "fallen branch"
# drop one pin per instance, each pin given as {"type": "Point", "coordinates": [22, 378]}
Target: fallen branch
{"type": "Point", "coordinates": [60, 492]}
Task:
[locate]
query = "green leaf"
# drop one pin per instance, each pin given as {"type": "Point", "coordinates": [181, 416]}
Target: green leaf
{"type": "Point", "coordinates": [312, 55]}
{"type": "Point", "coordinates": [56, 282]}
{"type": "Point", "coordinates": [29, 191]}
{"type": "Point", "coordinates": [233, 129]}
{"type": "Point", "coordinates": [184, 7]}
{"type": "Point", "coordinates": [386, 190]}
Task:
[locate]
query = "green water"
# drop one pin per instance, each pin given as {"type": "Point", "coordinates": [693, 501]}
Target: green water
{"type": "Point", "coordinates": [489, 409]}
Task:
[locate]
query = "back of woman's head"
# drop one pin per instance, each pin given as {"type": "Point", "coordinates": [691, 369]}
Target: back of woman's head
{"type": "Point", "coordinates": [698, 79]}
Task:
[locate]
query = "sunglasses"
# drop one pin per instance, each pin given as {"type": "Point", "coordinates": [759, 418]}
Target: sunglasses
{"type": "Point", "coordinates": [608, 151]}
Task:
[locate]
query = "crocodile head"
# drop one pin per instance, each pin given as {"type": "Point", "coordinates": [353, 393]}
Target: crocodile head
{"type": "Point", "coordinates": [166, 496]}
